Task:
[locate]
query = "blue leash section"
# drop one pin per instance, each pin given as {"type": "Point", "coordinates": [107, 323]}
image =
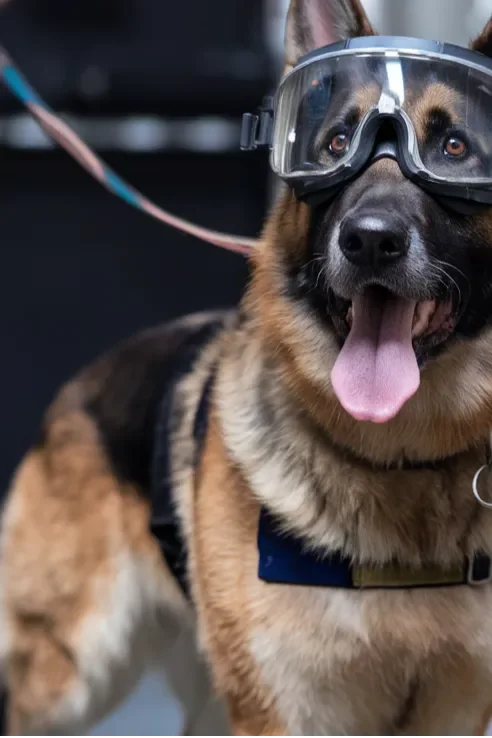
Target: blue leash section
{"type": "Point", "coordinates": [66, 137]}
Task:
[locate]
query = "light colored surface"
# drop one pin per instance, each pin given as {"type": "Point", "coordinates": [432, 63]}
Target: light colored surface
{"type": "Point", "coordinates": [151, 710]}
{"type": "Point", "coordinates": [455, 21]}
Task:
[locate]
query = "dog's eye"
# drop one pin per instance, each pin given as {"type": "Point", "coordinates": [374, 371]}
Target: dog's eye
{"type": "Point", "coordinates": [339, 143]}
{"type": "Point", "coordinates": [455, 147]}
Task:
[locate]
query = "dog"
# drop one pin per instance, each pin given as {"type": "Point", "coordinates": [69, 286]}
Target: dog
{"type": "Point", "coordinates": [146, 506]}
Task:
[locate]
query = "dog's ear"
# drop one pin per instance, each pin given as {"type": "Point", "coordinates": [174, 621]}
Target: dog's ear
{"type": "Point", "coordinates": [315, 23]}
{"type": "Point", "coordinates": [484, 42]}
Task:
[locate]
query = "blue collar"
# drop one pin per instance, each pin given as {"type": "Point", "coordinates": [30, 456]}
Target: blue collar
{"type": "Point", "coordinates": [285, 559]}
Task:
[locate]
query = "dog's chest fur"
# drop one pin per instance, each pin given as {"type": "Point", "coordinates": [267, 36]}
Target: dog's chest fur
{"type": "Point", "coordinates": [351, 663]}
{"type": "Point", "coordinates": [334, 661]}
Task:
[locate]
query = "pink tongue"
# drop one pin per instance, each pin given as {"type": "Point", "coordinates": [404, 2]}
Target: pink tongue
{"type": "Point", "coordinates": [376, 372]}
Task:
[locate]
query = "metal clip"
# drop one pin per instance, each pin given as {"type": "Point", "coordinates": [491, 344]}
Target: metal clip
{"type": "Point", "coordinates": [487, 466]}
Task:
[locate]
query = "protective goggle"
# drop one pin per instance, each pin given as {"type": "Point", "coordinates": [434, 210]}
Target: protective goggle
{"type": "Point", "coordinates": [425, 104]}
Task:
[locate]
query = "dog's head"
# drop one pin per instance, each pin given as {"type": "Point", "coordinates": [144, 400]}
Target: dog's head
{"type": "Point", "coordinates": [380, 302]}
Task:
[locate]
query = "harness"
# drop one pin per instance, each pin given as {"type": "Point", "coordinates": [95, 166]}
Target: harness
{"type": "Point", "coordinates": [164, 523]}
{"type": "Point", "coordinates": [283, 557]}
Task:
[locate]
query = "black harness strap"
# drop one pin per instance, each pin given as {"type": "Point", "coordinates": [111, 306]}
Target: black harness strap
{"type": "Point", "coordinates": [164, 523]}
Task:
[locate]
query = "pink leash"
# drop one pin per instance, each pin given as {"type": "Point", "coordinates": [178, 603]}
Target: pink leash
{"type": "Point", "coordinates": [53, 125]}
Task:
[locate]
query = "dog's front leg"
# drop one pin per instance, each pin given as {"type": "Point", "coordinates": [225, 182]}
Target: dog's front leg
{"type": "Point", "coordinates": [246, 728]}
{"type": "Point", "coordinates": [248, 719]}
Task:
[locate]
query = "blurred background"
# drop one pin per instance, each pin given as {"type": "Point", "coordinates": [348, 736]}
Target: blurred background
{"type": "Point", "coordinates": [158, 88]}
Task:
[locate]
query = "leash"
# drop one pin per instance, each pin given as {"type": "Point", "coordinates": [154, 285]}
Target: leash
{"type": "Point", "coordinates": [60, 132]}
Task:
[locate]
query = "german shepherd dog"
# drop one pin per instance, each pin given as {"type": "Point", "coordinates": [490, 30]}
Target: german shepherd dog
{"type": "Point", "coordinates": [87, 595]}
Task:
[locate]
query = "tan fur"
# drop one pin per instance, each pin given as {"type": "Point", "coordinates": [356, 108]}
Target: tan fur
{"type": "Point", "coordinates": [422, 430]}
{"type": "Point", "coordinates": [300, 638]}
{"type": "Point", "coordinates": [287, 660]}
{"type": "Point", "coordinates": [67, 528]}
{"type": "Point", "coordinates": [350, 20]}
{"type": "Point", "coordinates": [436, 96]}
{"type": "Point", "coordinates": [87, 601]}
{"type": "Point", "coordinates": [85, 590]}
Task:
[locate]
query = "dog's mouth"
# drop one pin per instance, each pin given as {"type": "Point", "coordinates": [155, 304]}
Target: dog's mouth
{"type": "Point", "coordinates": [387, 340]}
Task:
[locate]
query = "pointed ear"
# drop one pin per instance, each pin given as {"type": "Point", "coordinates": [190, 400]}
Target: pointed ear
{"type": "Point", "coordinates": [484, 42]}
{"type": "Point", "coordinates": [312, 24]}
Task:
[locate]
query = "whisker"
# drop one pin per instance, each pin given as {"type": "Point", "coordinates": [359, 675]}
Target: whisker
{"type": "Point", "coordinates": [452, 266]}
{"type": "Point", "coordinates": [440, 270]}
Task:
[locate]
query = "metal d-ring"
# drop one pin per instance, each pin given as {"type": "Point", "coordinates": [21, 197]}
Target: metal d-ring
{"type": "Point", "coordinates": [488, 466]}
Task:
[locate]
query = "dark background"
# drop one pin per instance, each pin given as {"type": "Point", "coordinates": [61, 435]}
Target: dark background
{"type": "Point", "coordinates": [80, 269]}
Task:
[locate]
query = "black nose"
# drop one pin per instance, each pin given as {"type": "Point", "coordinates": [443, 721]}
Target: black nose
{"type": "Point", "coordinates": [373, 239]}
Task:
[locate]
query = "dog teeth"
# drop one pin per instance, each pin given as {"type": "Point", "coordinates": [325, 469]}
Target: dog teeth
{"type": "Point", "coordinates": [350, 316]}
{"type": "Point", "coordinates": [424, 312]}
{"type": "Point", "coordinates": [442, 317]}
{"type": "Point", "coordinates": [429, 317]}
